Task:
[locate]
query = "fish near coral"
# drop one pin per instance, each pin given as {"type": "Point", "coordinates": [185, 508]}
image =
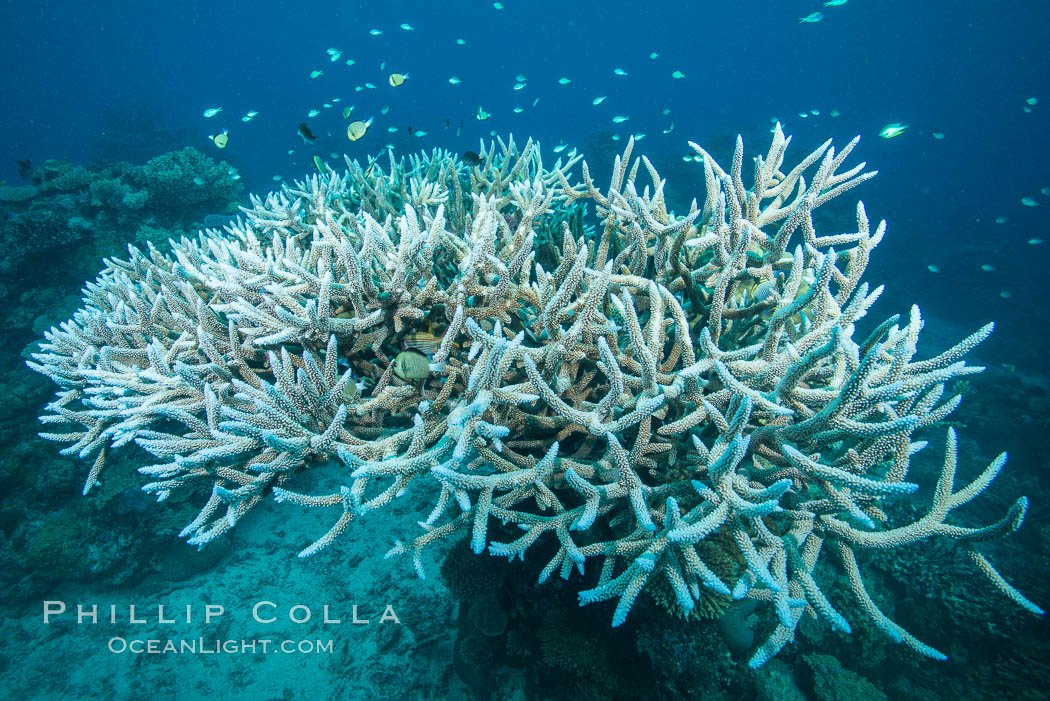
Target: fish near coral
{"type": "Point", "coordinates": [423, 341]}
{"type": "Point", "coordinates": [221, 139]}
{"type": "Point", "coordinates": [411, 364]}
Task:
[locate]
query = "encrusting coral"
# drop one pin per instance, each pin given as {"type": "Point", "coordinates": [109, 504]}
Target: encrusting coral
{"type": "Point", "coordinates": [625, 391]}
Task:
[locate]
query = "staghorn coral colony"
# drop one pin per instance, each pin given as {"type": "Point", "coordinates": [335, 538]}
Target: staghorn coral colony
{"type": "Point", "coordinates": [627, 389]}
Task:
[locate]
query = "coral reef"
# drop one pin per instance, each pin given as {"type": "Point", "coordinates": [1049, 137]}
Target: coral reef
{"type": "Point", "coordinates": [68, 203]}
{"type": "Point", "coordinates": [464, 578]}
{"type": "Point", "coordinates": [186, 180]}
{"type": "Point", "coordinates": [18, 193]}
{"type": "Point", "coordinates": [710, 604]}
{"type": "Point", "coordinates": [833, 683]}
{"type": "Point", "coordinates": [640, 383]}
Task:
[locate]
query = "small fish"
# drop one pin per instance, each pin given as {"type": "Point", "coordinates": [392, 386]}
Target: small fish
{"type": "Point", "coordinates": [1032, 101]}
{"type": "Point", "coordinates": [370, 86]}
{"type": "Point", "coordinates": [375, 159]}
{"type": "Point", "coordinates": [198, 181]}
{"type": "Point", "coordinates": [891, 130]}
{"type": "Point", "coordinates": [352, 390]}
{"type": "Point", "coordinates": [619, 71]}
{"type": "Point", "coordinates": [1001, 220]}
{"type": "Point", "coordinates": [521, 78]}
{"type": "Point", "coordinates": [937, 134]}
{"type": "Point", "coordinates": [639, 136]}
{"type": "Point", "coordinates": [319, 164]}
{"type": "Point", "coordinates": [988, 268]}
{"type": "Point", "coordinates": [407, 27]}
{"type": "Point", "coordinates": [665, 111]}
{"type": "Point", "coordinates": [454, 80]}
{"type": "Point", "coordinates": [560, 147]}
{"type": "Point", "coordinates": [335, 57]}
{"type": "Point", "coordinates": [211, 112]}
{"type": "Point", "coordinates": [1029, 202]}
{"type": "Point", "coordinates": [420, 133]}
{"type": "Point", "coordinates": [391, 129]}
{"type": "Point", "coordinates": [313, 113]}
{"type": "Point", "coordinates": [480, 114]}
{"type": "Point", "coordinates": [397, 79]}
{"type": "Point", "coordinates": [598, 100]}
{"type": "Point", "coordinates": [471, 158]}
{"type": "Point", "coordinates": [933, 268]}
{"type": "Point", "coordinates": [411, 365]}
{"type": "Point", "coordinates": [1006, 294]}
{"type": "Point", "coordinates": [564, 81]}
{"type": "Point", "coordinates": [355, 130]}
{"type": "Point", "coordinates": [249, 116]}
{"type": "Point", "coordinates": [350, 61]}
{"type": "Point", "coordinates": [316, 74]}
{"type": "Point", "coordinates": [327, 105]}
{"type": "Point", "coordinates": [619, 119]}
{"type": "Point", "coordinates": [221, 138]}
{"type": "Point", "coordinates": [811, 18]}
{"type": "Point", "coordinates": [375, 32]}
{"type": "Point", "coordinates": [835, 3]}
{"type": "Point", "coordinates": [1034, 242]}
{"type": "Point", "coordinates": [384, 109]}
{"type": "Point", "coordinates": [460, 42]}
{"type": "Point", "coordinates": [1009, 367]}
{"type": "Point", "coordinates": [423, 341]}
{"type": "Point", "coordinates": [347, 111]}
{"type": "Point", "coordinates": [498, 5]}
{"type": "Point", "coordinates": [304, 131]}
{"type": "Point", "coordinates": [1045, 191]}
{"type": "Point", "coordinates": [459, 130]}
{"type": "Point", "coordinates": [678, 74]}
{"type": "Point", "coordinates": [519, 86]}
{"type": "Point", "coordinates": [669, 129]}
{"type": "Point", "coordinates": [653, 55]}
{"type": "Point", "coordinates": [815, 113]}
{"type": "Point", "coordinates": [536, 102]}
{"type": "Point", "coordinates": [1027, 109]}
{"type": "Point", "coordinates": [518, 110]}
{"type": "Point", "coordinates": [834, 113]}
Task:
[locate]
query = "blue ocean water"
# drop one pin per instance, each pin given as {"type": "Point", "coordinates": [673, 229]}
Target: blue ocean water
{"type": "Point", "coordinates": [124, 81]}
{"type": "Point", "coordinates": [119, 80]}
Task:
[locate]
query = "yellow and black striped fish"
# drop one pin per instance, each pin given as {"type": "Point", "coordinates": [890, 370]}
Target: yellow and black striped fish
{"type": "Point", "coordinates": [423, 341]}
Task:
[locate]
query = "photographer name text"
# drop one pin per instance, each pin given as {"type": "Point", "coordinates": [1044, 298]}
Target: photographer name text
{"type": "Point", "coordinates": [265, 612]}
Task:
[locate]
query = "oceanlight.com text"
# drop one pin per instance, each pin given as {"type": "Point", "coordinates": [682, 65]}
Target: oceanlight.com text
{"type": "Point", "coordinates": [215, 646]}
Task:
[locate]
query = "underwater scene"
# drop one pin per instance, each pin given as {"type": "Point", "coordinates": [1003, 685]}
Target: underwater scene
{"type": "Point", "coordinates": [525, 350]}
